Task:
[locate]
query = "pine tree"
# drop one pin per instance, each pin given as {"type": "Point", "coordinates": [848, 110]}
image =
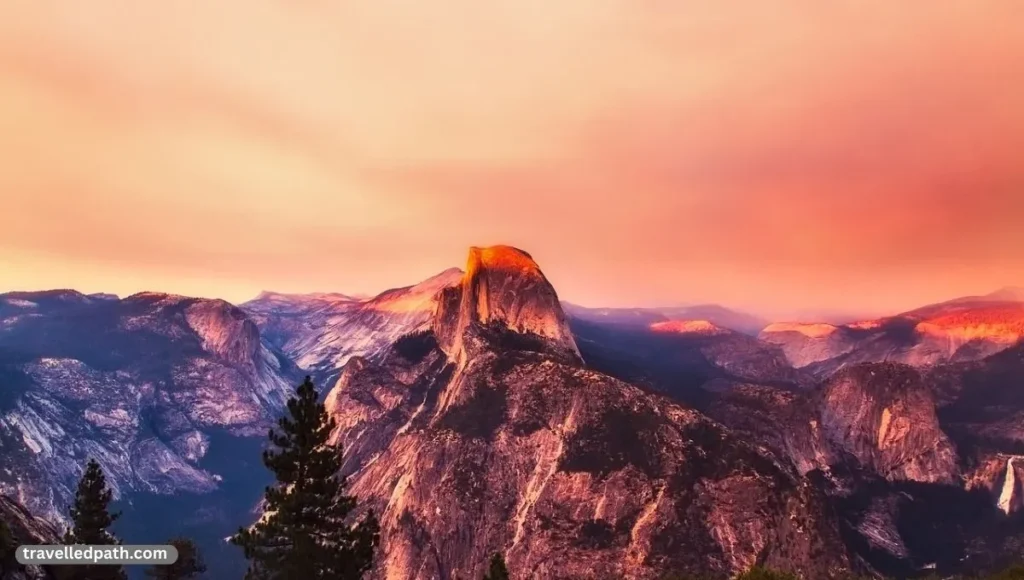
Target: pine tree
{"type": "Point", "coordinates": [305, 531]}
{"type": "Point", "coordinates": [1012, 573]}
{"type": "Point", "coordinates": [91, 520]}
{"type": "Point", "coordinates": [761, 573]}
{"type": "Point", "coordinates": [189, 564]}
{"type": "Point", "coordinates": [497, 569]}
{"type": "Point", "coordinates": [8, 546]}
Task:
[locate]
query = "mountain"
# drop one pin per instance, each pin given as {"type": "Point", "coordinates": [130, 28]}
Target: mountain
{"type": "Point", "coordinates": [172, 395]}
{"type": "Point", "coordinates": [713, 313]}
{"type": "Point", "coordinates": [486, 431]}
{"type": "Point", "coordinates": [1008, 294]}
{"type": "Point", "coordinates": [321, 332]}
{"type": "Point", "coordinates": [963, 329]}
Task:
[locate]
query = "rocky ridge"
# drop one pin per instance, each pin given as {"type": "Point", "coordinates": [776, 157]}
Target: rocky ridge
{"type": "Point", "coordinates": [959, 330]}
{"type": "Point", "coordinates": [321, 332]}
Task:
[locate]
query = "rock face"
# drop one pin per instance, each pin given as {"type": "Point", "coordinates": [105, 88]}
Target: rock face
{"type": "Point", "coordinates": [321, 332]}
{"type": "Point", "coordinates": [1001, 476]}
{"type": "Point", "coordinates": [883, 416]}
{"type": "Point", "coordinates": [964, 329]}
{"type": "Point", "coordinates": [486, 433]}
{"type": "Point", "coordinates": [26, 529]}
{"type": "Point", "coordinates": [502, 286]}
{"type": "Point", "coordinates": [876, 418]}
{"type": "Point", "coordinates": [144, 385]}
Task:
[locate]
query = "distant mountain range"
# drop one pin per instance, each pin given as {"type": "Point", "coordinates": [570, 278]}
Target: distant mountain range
{"type": "Point", "coordinates": [479, 413]}
{"type": "Point", "coordinates": [962, 329]}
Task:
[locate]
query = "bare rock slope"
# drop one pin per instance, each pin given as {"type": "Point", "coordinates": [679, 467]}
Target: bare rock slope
{"type": "Point", "coordinates": [485, 433]}
{"type": "Point", "coordinates": [321, 332]}
{"type": "Point", "coordinates": [25, 529]}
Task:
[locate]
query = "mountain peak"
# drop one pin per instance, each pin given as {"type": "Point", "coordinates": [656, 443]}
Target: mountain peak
{"type": "Point", "coordinates": [1009, 293]}
{"type": "Point", "coordinates": [502, 285]}
{"type": "Point", "coordinates": [501, 258]}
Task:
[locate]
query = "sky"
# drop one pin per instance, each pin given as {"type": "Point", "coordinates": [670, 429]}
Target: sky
{"type": "Point", "coordinates": [779, 157]}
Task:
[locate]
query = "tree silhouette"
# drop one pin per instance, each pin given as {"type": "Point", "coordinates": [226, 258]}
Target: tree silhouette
{"type": "Point", "coordinates": [189, 564]}
{"type": "Point", "coordinates": [305, 532]}
{"type": "Point", "coordinates": [90, 522]}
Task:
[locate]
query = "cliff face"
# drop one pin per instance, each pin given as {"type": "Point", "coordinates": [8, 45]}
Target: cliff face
{"type": "Point", "coordinates": [144, 385]}
{"type": "Point", "coordinates": [485, 433]}
{"type": "Point", "coordinates": [25, 529]}
{"type": "Point", "coordinates": [882, 416]}
{"type": "Point", "coordinates": [505, 287]}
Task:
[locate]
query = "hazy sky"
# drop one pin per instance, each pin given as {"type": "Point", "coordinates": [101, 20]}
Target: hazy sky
{"type": "Point", "coordinates": [783, 155]}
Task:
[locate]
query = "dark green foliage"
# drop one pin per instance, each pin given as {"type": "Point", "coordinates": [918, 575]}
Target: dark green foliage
{"type": "Point", "coordinates": [1011, 573]}
{"type": "Point", "coordinates": [90, 523]}
{"type": "Point", "coordinates": [305, 532]}
{"type": "Point", "coordinates": [189, 564]}
{"type": "Point", "coordinates": [480, 416]}
{"type": "Point", "coordinates": [620, 437]}
{"type": "Point", "coordinates": [760, 573]}
{"type": "Point", "coordinates": [8, 545]}
{"type": "Point", "coordinates": [596, 534]}
{"type": "Point", "coordinates": [416, 346]}
{"type": "Point", "coordinates": [497, 570]}
{"type": "Point", "coordinates": [674, 576]}
{"type": "Point", "coordinates": [506, 340]}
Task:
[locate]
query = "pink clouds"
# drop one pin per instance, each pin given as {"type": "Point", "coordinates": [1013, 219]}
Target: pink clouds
{"type": "Point", "coordinates": [643, 152]}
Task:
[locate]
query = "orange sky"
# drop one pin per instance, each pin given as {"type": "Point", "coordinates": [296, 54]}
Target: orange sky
{"type": "Point", "coordinates": [864, 155]}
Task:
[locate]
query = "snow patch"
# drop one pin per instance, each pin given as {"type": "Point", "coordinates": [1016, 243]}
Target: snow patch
{"type": "Point", "coordinates": [20, 303]}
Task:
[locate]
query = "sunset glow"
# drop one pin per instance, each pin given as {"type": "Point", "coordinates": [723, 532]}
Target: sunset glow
{"type": "Point", "coordinates": [772, 156]}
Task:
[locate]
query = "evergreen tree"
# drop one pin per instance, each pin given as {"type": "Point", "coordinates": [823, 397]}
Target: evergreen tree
{"type": "Point", "coordinates": [189, 564]}
{"type": "Point", "coordinates": [497, 569]}
{"type": "Point", "coordinates": [1012, 573]}
{"type": "Point", "coordinates": [305, 531]}
{"type": "Point", "coordinates": [91, 520]}
{"type": "Point", "coordinates": [760, 573]}
{"type": "Point", "coordinates": [8, 547]}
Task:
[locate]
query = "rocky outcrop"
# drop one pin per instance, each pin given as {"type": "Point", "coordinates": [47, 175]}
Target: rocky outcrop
{"type": "Point", "coordinates": [486, 433]}
{"type": "Point", "coordinates": [883, 417]}
{"type": "Point", "coordinates": [806, 344]}
{"type": "Point", "coordinates": [505, 287]}
{"type": "Point", "coordinates": [226, 331]}
{"type": "Point", "coordinates": [25, 529]}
